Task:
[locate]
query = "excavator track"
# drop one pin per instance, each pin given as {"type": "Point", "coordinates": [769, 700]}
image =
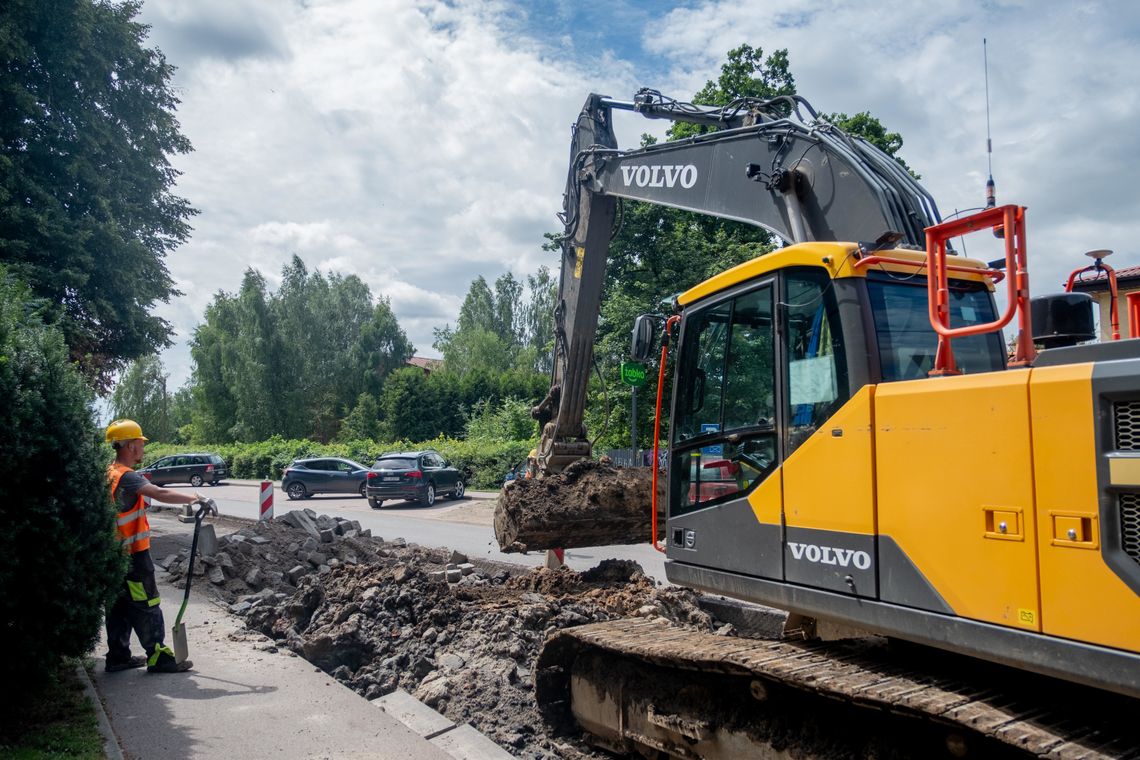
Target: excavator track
{"type": "Point", "coordinates": [644, 675]}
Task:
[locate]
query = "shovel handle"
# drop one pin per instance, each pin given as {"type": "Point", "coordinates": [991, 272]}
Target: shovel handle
{"type": "Point", "coordinates": [190, 570]}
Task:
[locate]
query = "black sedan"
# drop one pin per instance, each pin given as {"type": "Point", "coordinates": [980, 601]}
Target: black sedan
{"type": "Point", "coordinates": [305, 477]}
{"type": "Point", "coordinates": [413, 476]}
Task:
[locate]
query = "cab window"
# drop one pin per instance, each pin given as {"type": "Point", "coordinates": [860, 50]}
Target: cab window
{"type": "Point", "coordinates": [907, 342]}
{"type": "Point", "coordinates": [725, 441]}
{"type": "Point", "coordinates": [816, 367]}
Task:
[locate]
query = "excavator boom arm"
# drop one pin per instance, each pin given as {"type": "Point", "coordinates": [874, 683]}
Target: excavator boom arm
{"type": "Point", "coordinates": [767, 164]}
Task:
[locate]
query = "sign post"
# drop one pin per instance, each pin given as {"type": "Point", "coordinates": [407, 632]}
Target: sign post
{"type": "Point", "coordinates": [633, 374]}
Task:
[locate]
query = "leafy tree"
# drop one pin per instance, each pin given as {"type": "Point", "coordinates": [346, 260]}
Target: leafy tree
{"type": "Point", "coordinates": [141, 395]}
{"type": "Point", "coordinates": [215, 405]}
{"type": "Point", "coordinates": [62, 563]}
{"type": "Point", "coordinates": [509, 420]}
{"type": "Point", "coordinates": [407, 407]}
{"type": "Point", "coordinates": [87, 212]}
{"type": "Point", "coordinates": [258, 347]}
{"type": "Point", "coordinates": [497, 331]}
{"type": "Point", "coordinates": [381, 348]}
{"type": "Point", "coordinates": [746, 74]}
{"type": "Point", "coordinates": [291, 363]}
{"type": "Point", "coordinates": [363, 422]}
{"type": "Point", "coordinates": [538, 320]}
{"type": "Point", "coordinates": [872, 130]}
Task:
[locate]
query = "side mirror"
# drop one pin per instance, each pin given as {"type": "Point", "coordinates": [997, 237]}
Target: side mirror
{"type": "Point", "coordinates": [642, 340]}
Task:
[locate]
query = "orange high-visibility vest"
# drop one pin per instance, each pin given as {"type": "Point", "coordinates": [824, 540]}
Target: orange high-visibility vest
{"type": "Point", "coordinates": [133, 529]}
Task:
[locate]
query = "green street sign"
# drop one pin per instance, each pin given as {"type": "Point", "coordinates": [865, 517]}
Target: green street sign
{"type": "Point", "coordinates": [633, 373]}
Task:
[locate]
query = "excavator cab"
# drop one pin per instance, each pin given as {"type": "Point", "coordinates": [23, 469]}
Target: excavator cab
{"type": "Point", "coordinates": [767, 355]}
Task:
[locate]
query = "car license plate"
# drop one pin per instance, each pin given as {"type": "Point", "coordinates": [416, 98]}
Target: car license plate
{"type": "Point", "coordinates": [389, 480]}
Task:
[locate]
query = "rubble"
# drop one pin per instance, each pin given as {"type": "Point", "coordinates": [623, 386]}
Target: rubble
{"type": "Point", "coordinates": [462, 636]}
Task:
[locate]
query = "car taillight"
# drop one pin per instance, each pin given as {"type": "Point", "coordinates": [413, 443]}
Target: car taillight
{"type": "Point", "coordinates": [370, 475]}
{"type": "Point", "coordinates": [146, 475]}
{"type": "Point", "coordinates": [209, 468]}
{"type": "Point", "coordinates": [415, 474]}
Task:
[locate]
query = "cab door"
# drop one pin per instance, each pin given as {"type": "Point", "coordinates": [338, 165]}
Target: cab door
{"type": "Point", "coordinates": [828, 469]}
{"type": "Point", "coordinates": [725, 495]}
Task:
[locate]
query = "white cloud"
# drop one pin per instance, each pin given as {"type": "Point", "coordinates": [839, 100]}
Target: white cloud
{"type": "Point", "coordinates": [419, 143]}
{"type": "Point", "coordinates": [1063, 97]}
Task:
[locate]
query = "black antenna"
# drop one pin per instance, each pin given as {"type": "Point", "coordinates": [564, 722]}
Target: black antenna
{"type": "Point", "coordinates": [991, 193]}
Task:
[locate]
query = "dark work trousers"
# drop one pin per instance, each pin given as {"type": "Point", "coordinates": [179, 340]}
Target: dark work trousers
{"type": "Point", "coordinates": [137, 608]}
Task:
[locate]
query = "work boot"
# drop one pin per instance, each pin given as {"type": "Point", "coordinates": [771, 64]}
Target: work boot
{"type": "Point", "coordinates": [115, 667]}
{"type": "Point", "coordinates": [169, 665]}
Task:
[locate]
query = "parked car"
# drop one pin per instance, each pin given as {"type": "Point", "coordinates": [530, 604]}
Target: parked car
{"type": "Point", "coordinates": [194, 469]}
{"type": "Point", "coordinates": [305, 477]}
{"type": "Point", "coordinates": [413, 476]}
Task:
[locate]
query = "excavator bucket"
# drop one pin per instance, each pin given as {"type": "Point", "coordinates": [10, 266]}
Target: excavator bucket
{"type": "Point", "coordinates": [587, 504]}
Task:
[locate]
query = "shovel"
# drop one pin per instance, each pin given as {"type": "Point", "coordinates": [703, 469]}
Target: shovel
{"type": "Point", "coordinates": [178, 632]}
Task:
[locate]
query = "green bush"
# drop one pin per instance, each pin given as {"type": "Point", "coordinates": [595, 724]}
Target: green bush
{"type": "Point", "coordinates": [487, 461]}
{"type": "Point", "coordinates": [61, 562]}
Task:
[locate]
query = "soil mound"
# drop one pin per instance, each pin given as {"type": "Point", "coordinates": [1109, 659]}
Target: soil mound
{"type": "Point", "coordinates": [462, 637]}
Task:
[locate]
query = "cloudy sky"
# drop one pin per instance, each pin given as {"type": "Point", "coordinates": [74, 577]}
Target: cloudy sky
{"type": "Point", "coordinates": [420, 143]}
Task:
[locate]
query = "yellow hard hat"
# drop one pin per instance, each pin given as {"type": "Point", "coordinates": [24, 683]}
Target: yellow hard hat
{"type": "Point", "coordinates": [533, 454]}
{"type": "Point", "coordinates": [124, 430]}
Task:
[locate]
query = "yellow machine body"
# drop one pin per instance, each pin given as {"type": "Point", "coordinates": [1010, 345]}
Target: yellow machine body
{"type": "Point", "coordinates": [997, 513]}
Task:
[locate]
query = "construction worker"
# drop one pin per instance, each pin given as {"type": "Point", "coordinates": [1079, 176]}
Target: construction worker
{"type": "Point", "coordinates": [137, 606]}
{"type": "Point", "coordinates": [531, 465]}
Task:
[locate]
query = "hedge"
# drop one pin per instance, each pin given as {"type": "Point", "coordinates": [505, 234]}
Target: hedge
{"type": "Point", "coordinates": [487, 461]}
{"type": "Point", "coordinates": [61, 562]}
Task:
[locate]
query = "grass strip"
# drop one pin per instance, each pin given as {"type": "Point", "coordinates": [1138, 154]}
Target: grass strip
{"type": "Point", "coordinates": [50, 719]}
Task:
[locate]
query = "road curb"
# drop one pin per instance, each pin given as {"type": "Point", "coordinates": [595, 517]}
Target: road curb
{"type": "Point", "coordinates": [462, 741]}
{"type": "Point", "coordinates": [111, 749]}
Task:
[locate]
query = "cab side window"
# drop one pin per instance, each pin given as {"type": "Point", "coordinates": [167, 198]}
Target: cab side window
{"type": "Point", "coordinates": [816, 368]}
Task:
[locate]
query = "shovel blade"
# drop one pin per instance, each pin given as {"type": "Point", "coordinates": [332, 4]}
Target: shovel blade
{"type": "Point", "coordinates": [181, 647]}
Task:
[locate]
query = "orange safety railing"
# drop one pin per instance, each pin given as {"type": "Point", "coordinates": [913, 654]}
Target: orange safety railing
{"type": "Point", "coordinates": [1100, 266]}
{"type": "Point", "coordinates": [669, 325]}
{"type": "Point", "coordinates": [1010, 220]}
{"type": "Point", "coordinates": [1134, 315]}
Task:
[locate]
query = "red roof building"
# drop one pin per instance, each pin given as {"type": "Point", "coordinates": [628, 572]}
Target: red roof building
{"type": "Point", "coordinates": [426, 364]}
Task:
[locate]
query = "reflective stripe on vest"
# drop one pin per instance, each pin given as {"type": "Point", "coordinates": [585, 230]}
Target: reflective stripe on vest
{"type": "Point", "coordinates": [132, 527]}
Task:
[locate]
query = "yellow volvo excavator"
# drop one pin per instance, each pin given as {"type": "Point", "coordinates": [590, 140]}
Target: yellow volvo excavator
{"type": "Point", "coordinates": [849, 441]}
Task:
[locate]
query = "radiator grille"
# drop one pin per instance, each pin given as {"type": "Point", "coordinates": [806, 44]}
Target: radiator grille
{"type": "Point", "coordinates": [1126, 418]}
{"type": "Point", "coordinates": [1130, 524]}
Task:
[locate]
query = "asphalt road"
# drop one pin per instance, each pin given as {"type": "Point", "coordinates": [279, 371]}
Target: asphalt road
{"type": "Point", "coordinates": [464, 525]}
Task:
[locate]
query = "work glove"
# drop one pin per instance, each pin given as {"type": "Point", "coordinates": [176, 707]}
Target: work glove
{"type": "Point", "coordinates": [209, 505]}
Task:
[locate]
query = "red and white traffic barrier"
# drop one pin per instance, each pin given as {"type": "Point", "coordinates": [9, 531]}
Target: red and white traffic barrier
{"type": "Point", "coordinates": [266, 500]}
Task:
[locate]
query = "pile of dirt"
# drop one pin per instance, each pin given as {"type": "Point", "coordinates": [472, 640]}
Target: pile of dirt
{"type": "Point", "coordinates": [379, 616]}
{"type": "Point", "coordinates": [590, 503]}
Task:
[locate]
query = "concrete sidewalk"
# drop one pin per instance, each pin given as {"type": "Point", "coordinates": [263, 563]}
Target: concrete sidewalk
{"type": "Point", "coordinates": [242, 700]}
